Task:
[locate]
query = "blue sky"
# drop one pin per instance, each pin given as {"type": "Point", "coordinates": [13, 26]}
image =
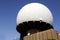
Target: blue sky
{"type": "Point", "coordinates": [9, 10]}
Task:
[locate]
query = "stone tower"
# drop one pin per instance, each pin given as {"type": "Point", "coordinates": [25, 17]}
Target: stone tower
{"type": "Point", "coordinates": [35, 22]}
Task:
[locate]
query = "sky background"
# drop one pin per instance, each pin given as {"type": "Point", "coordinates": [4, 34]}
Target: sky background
{"type": "Point", "coordinates": [9, 10]}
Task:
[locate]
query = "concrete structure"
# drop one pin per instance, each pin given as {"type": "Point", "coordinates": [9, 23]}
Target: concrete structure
{"type": "Point", "coordinates": [44, 35]}
{"type": "Point", "coordinates": [35, 22]}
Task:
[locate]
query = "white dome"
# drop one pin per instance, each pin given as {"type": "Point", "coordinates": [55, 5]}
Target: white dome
{"type": "Point", "coordinates": [34, 12]}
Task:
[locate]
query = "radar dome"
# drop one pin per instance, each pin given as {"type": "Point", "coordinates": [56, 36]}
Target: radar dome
{"type": "Point", "coordinates": [34, 12]}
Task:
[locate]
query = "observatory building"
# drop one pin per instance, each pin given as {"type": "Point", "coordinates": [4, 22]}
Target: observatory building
{"type": "Point", "coordinates": [35, 22]}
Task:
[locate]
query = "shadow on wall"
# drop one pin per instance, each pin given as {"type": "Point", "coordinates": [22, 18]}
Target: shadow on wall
{"type": "Point", "coordinates": [51, 39]}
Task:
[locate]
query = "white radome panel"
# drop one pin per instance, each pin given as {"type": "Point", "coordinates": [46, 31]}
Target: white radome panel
{"type": "Point", "coordinates": [34, 12]}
